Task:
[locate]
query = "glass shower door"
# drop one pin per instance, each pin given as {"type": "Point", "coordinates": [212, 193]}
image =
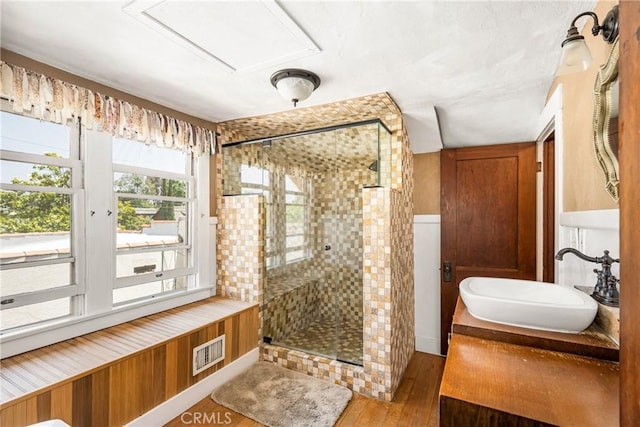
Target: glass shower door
{"type": "Point", "coordinates": [312, 187]}
{"type": "Point", "coordinates": [339, 163]}
{"type": "Point", "coordinates": [352, 173]}
{"type": "Point", "coordinates": [301, 288]}
{"type": "Point", "coordinates": [362, 161]}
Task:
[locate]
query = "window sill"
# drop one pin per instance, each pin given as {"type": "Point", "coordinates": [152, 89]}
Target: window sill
{"type": "Point", "coordinates": [24, 340]}
{"type": "Point", "coordinates": [289, 264]}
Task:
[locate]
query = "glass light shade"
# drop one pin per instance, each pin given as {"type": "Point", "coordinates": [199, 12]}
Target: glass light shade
{"type": "Point", "coordinates": [294, 88]}
{"type": "Point", "coordinates": [575, 57]}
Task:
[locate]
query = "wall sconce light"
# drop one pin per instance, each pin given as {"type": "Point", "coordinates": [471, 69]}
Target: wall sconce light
{"type": "Point", "coordinates": [575, 53]}
{"type": "Point", "coordinates": [295, 85]}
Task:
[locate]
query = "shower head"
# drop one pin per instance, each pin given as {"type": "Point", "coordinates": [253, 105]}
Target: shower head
{"type": "Point", "coordinates": [373, 166]}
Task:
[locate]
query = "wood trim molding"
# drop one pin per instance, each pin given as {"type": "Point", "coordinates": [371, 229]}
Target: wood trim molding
{"type": "Point", "coordinates": [629, 125]}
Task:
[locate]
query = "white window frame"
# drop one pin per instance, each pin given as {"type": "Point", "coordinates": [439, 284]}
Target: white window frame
{"type": "Point", "coordinates": [95, 278]}
{"type": "Point", "coordinates": [190, 203]}
{"type": "Point", "coordinates": [75, 289]}
{"type": "Point", "coordinates": [306, 207]}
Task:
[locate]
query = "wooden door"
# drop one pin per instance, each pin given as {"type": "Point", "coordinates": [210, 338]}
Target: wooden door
{"type": "Point", "coordinates": [488, 209]}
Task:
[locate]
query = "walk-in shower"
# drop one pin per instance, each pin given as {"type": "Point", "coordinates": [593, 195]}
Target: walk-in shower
{"type": "Point", "coordinates": [312, 186]}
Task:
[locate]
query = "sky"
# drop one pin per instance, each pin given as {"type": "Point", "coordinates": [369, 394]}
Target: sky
{"type": "Point", "coordinates": [18, 133]}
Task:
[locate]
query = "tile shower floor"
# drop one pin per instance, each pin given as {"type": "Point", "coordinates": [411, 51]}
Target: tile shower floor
{"type": "Point", "coordinates": [319, 338]}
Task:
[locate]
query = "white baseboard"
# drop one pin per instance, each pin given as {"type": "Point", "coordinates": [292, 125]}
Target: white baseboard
{"type": "Point", "coordinates": [178, 404]}
{"type": "Point", "coordinates": [428, 345]}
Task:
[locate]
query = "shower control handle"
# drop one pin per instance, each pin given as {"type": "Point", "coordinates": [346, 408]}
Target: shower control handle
{"type": "Point", "coordinates": [327, 247]}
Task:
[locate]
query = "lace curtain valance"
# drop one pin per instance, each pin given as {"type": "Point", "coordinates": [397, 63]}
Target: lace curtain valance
{"type": "Point", "coordinates": [54, 100]}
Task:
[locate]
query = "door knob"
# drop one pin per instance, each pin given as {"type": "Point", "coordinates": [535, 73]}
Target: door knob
{"type": "Point", "coordinates": [446, 271]}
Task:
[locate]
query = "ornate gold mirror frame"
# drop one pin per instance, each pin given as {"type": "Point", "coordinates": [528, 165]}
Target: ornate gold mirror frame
{"type": "Point", "coordinates": [607, 158]}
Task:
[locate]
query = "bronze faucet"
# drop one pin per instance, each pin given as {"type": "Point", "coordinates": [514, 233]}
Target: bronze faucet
{"type": "Point", "coordinates": [606, 289]}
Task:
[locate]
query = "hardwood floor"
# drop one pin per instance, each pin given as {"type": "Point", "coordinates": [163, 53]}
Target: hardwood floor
{"type": "Point", "coordinates": [415, 403]}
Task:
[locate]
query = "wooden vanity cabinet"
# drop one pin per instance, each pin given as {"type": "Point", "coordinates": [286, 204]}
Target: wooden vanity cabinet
{"type": "Point", "coordinates": [489, 382]}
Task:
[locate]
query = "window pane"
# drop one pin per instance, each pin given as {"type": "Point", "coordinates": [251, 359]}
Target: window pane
{"type": "Point", "coordinates": [20, 316]}
{"type": "Point", "coordinates": [149, 262]}
{"type": "Point", "coordinates": [148, 185]}
{"type": "Point", "coordinates": [294, 215]}
{"type": "Point", "coordinates": [295, 255]}
{"type": "Point", "coordinates": [136, 153]}
{"type": "Point", "coordinates": [34, 174]}
{"type": "Point", "coordinates": [294, 199]}
{"type": "Point", "coordinates": [37, 213]}
{"type": "Point", "coordinates": [292, 183]}
{"type": "Point", "coordinates": [28, 135]}
{"type": "Point", "coordinates": [271, 261]}
{"type": "Point", "coordinates": [148, 289]}
{"type": "Point", "coordinates": [147, 222]}
{"type": "Point", "coordinates": [30, 279]}
{"type": "Point", "coordinates": [251, 190]}
{"type": "Point", "coordinates": [293, 241]}
{"type": "Point", "coordinates": [254, 175]}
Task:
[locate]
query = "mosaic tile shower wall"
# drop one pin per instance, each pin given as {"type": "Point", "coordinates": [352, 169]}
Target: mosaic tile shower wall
{"type": "Point", "coordinates": [385, 166]}
{"type": "Point", "coordinates": [240, 249]}
{"type": "Point", "coordinates": [337, 221]}
{"type": "Point", "coordinates": [403, 309]}
{"type": "Point", "coordinates": [291, 304]}
{"type": "Point", "coordinates": [348, 375]}
{"type": "Point", "coordinates": [232, 176]}
{"type": "Point", "coordinates": [377, 292]}
{"type": "Point", "coordinates": [388, 296]}
{"type": "Point", "coordinates": [377, 106]}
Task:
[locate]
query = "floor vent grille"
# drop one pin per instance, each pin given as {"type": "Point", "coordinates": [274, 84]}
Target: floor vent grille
{"type": "Point", "coordinates": [208, 354]}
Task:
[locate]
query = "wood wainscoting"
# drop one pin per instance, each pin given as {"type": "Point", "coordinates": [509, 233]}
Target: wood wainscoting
{"type": "Point", "coordinates": [112, 376]}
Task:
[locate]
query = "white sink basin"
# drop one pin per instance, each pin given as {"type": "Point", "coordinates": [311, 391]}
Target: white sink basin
{"type": "Point", "coordinates": [528, 304]}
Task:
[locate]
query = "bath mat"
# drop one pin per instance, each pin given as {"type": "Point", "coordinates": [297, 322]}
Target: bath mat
{"type": "Point", "coordinates": [279, 397]}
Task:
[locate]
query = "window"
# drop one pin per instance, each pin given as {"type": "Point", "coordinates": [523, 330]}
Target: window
{"type": "Point", "coordinates": [153, 240]}
{"type": "Point", "coordinates": [81, 237]}
{"type": "Point", "coordinates": [287, 205]}
{"type": "Point", "coordinates": [296, 218]}
{"type": "Point", "coordinates": [255, 180]}
{"type": "Point", "coordinates": [40, 174]}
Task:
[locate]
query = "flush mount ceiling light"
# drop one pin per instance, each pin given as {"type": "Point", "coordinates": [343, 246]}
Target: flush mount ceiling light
{"type": "Point", "coordinates": [575, 53]}
{"type": "Point", "coordinates": [295, 85]}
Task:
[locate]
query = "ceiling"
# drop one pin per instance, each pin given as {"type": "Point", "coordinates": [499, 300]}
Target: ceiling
{"type": "Point", "coordinates": [463, 73]}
